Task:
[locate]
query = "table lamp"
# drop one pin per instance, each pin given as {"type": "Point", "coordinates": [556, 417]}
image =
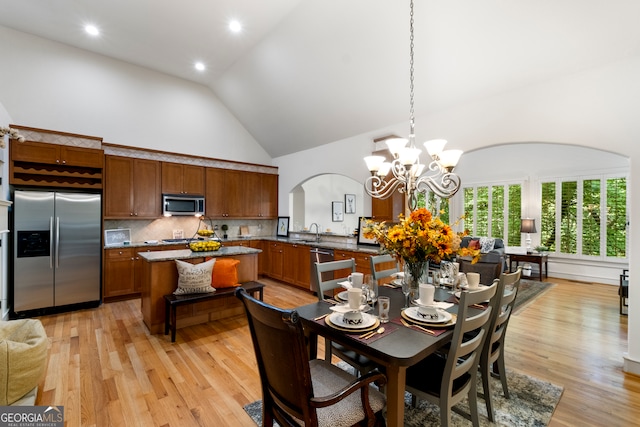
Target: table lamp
{"type": "Point", "coordinates": [528, 225]}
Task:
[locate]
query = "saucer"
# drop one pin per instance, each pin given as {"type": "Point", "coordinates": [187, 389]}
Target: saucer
{"type": "Point", "coordinates": [414, 314]}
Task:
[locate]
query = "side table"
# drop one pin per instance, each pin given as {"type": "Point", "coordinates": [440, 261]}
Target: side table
{"type": "Point", "coordinates": [538, 258]}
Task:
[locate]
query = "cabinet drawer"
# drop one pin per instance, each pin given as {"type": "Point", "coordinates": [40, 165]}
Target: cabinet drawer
{"type": "Point", "coordinates": [119, 253]}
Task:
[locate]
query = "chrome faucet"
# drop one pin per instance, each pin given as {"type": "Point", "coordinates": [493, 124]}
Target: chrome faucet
{"type": "Point", "coordinates": [317, 231]}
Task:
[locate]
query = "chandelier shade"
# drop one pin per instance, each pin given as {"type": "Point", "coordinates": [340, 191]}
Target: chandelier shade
{"type": "Point", "coordinates": [405, 173]}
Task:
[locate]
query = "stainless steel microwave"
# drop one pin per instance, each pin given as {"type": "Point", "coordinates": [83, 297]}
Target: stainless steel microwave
{"type": "Point", "coordinates": [182, 205]}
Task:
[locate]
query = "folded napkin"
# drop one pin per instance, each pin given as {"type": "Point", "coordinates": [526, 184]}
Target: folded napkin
{"type": "Point", "coordinates": [344, 308]}
{"type": "Point", "coordinates": [346, 284]}
{"type": "Point", "coordinates": [443, 304]}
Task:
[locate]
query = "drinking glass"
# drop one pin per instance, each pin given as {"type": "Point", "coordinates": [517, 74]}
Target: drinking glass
{"type": "Point", "coordinates": [383, 307]}
{"type": "Point", "coordinates": [406, 290]}
{"type": "Point", "coordinates": [372, 288]}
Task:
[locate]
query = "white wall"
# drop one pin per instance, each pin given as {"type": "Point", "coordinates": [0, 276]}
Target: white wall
{"type": "Point", "coordinates": [596, 108]}
{"type": "Point", "coordinates": [49, 85]}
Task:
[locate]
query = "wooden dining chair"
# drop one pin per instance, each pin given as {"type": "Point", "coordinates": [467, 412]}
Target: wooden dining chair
{"type": "Point", "coordinates": [492, 356]}
{"type": "Point", "coordinates": [298, 391]}
{"type": "Point", "coordinates": [446, 378]}
{"type": "Point", "coordinates": [327, 281]}
{"type": "Point", "coordinates": [381, 267]}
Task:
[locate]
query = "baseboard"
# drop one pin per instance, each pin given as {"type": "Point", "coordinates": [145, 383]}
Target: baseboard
{"type": "Point", "coordinates": [631, 366]}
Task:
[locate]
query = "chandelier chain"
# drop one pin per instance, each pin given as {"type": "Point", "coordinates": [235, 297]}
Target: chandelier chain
{"type": "Point", "coordinates": [411, 110]}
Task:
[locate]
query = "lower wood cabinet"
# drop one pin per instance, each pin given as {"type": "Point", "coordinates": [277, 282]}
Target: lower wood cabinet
{"type": "Point", "coordinates": [122, 269]}
{"type": "Point", "coordinates": [363, 260]}
{"type": "Point", "coordinates": [289, 263]}
{"type": "Point", "coordinates": [120, 274]}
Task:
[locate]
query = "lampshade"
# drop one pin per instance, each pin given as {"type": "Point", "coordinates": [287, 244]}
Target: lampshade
{"type": "Point", "coordinates": [527, 225]}
{"type": "Point", "coordinates": [435, 146]}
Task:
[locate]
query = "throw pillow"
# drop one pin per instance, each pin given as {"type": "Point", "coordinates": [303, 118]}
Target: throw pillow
{"type": "Point", "coordinates": [474, 244]}
{"type": "Point", "coordinates": [225, 273]}
{"type": "Point", "coordinates": [194, 278]}
{"type": "Point", "coordinates": [487, 244]}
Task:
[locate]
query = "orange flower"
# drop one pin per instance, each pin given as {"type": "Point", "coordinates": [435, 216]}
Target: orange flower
{"type": "Point", "coordinates": [420, 237]}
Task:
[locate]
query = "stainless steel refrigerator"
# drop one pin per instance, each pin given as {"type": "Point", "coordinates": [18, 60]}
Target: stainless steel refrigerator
{"type": "Point", "coordinates": [57, 249]}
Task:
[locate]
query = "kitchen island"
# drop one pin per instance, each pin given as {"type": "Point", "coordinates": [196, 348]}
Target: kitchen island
{"type": "Point", "coordinates": [160, 277]}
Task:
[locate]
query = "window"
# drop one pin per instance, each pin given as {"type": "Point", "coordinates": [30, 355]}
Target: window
{"type": "Point", "coordinates": [585, 217]}
{"type": "Point", "coordinates": [494, 211]}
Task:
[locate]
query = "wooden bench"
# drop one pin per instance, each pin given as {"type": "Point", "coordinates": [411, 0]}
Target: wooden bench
{"type": "Point", "coordinates": [172, 302]}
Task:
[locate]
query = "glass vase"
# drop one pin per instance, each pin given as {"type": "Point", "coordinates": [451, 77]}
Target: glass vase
{"type": "Point", "coordinates": [415, 273]}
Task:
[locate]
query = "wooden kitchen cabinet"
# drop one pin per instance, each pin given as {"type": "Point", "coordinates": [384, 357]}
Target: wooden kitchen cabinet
{"type": "Point", "coordinates": [55, 154]}
{"type": "Point", "coordinates": [261, 195]}
{"type": "Point", "coordinates": [276, 257]}
{"type": "Point", "coordinates": [182, 179]}
{"type": "Point", "coordinates": [54, 165]}
{"type": "Point", "coordinates": [132, 188]}
{"type": "Point", "coordinates": [224, 193]}
{"type": "Point", "coordinates": [123, 268]}
{"type": "Point", "coordinates": [120, 274]}
{"type": "Point", "coordinates": [363, 260]}
{"type": "Point", "coordinates": [387, 209]}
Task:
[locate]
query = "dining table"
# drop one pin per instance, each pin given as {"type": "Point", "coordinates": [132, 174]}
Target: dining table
{"type": "Point", "coordinates": [395, 350]}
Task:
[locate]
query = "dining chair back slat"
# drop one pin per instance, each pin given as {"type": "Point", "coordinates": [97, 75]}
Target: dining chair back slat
{"type": "Point", "coordinates": [447, 378]}
{"type": "Point", "coordinates": [492, 356]}
{"type": "Point", "coordinates": [298, 391]}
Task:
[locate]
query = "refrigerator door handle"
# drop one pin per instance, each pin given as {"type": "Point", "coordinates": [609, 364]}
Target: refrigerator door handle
{"type": "Point", "coordinates": [51, 242]}
{"type": "Point", "coordinates": [57, 239]}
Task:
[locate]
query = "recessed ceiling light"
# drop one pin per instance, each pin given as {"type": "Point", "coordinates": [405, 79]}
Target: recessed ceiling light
{"type": "Point", "coordinates": [235, 26]}
{"type": "Point", "coordinates": [92, 29]}
{"type": "Point", "coordinates": [200, 66]}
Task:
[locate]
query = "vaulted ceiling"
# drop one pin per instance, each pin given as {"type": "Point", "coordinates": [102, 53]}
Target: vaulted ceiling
{"type": "Point", "coordinates": [305, 73]}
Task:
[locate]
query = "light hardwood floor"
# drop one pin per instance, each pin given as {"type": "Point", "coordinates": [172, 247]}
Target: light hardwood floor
{"type": "Point", "coordinates": [107, 370]}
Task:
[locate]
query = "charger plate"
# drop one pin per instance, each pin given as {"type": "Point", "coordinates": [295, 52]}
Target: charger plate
{"type": "Point", "coordinates": [448, 324]}
{"type": "Point", "coordinates": [413, 314]}
{"type": "Point", "coordinates": [332, 321]}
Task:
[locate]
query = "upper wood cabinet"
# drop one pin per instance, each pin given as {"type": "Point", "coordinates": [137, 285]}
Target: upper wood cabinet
{"type": "Point", "coordinates": [54, 154]}
{"type": "Point", "coordinates": [224, 193]}
{"type": "Point", "coordinates": [261, 197]}
{"type": "Point", "coordinates": [237, 194]}
{"type": "Point", "coordinates": [132, 188]}
{"type": "Point", "coordinates": [387, 209]}
{"type": "Point", "coordinates": [182, 179]}
{"type": "Point", "coordinates": [54, 165]}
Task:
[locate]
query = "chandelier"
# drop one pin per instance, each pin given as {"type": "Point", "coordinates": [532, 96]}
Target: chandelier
{"type": "Point", "coordinates": [405, 173]}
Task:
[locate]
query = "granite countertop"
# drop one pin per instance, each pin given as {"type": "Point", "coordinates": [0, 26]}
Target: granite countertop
{"type": "Point", "coordinates": [156, 256]}
{"type": "Point", "coordinates": [324, 244]}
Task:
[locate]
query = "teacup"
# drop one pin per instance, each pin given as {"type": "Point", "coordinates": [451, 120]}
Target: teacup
{"type": "Point", "coordinates": [427, 292]}
{"type": "Point", "coordinates": [355, 298]}
{"type": "Point", "coordinates": [352, 318]}
{"type": "Point", "coordinates": [356, 279]}
{"type": "Point", "coordinates": [473, 281]}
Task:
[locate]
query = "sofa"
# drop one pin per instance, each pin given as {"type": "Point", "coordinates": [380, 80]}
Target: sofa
{"type": "Point", "coordinates": [492, 261]}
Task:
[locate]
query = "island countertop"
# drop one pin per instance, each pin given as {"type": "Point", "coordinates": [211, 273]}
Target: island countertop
{"type": "Point", "coordinates": [181, 254]}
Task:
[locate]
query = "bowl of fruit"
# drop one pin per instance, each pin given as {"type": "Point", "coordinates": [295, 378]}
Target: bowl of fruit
{"type": "Point", "coordinates": [205, 232]}
{"type": "Point", "coordinates": [204, 245]}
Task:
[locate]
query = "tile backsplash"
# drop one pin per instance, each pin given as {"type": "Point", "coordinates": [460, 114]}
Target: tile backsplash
{"type": "Point", "coordinates": [158, 229]}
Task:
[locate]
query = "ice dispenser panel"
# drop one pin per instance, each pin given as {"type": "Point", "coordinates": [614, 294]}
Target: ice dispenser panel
{"type": "Point", "coordinates": [33, 244]}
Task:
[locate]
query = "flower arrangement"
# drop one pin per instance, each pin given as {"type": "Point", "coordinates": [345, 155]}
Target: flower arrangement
{"type": "Point", "coordinates": [13, 134]}
{"type": "Point", "coordinates": [419, 237]}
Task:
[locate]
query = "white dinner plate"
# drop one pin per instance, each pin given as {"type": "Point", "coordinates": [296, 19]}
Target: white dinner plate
{"type": "Point", "coordinates": [443, 316]}
{"type": "Point", "coordinates": [336, 319]}
{"type": "Point", "coordinates": [479, 287]}
{"type": "Point", "coordinates": [344, 295]}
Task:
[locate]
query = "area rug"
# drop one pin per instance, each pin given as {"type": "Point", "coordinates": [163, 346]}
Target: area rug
{"type": "Point", "coordinates": [532, 403]}
{"type": "Point", "coordinates": [529, 291]}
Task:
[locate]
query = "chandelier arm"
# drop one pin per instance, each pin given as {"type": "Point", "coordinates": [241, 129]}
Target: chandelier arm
{"type": "Point", "coordinates": [381, 189]}
{"type": "Point", "coordinates": [444, 186]}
